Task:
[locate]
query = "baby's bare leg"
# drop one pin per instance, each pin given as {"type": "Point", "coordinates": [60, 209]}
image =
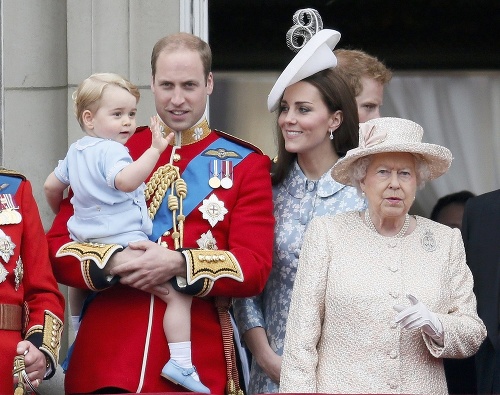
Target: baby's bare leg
{"type": "Point", "coordinates": [177, 326]}
{"type": "Point", "coordinates": [177, 318]}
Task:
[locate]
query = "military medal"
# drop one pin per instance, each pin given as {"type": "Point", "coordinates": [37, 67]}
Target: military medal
{"type": "Point", "coordinates": [3, 273]}
{"type": "Point", "coordinates": [18, 273]}
{"type": "Point", "coordinates": [207, 241]}
{"type": "Point", "coordinates": [214, 180]}
{"type": "Point", "coordinates": [8, 210]}
{"type": "Point", "coordinates": [227, 180]}
{"type": "Point", "coordinates": [213, 210]}
{"type": "Point", "coordinates": [6, 246]}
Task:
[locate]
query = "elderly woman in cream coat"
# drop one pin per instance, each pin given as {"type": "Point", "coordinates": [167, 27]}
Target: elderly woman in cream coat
{"type": "Point", "coordinates": [380, 296]}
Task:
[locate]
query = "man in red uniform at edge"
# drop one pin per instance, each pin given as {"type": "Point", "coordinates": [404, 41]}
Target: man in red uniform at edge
{"type": "Point", "coordinates": [31, 306]}
{"type": "Point", "coordinates": [212, 234]}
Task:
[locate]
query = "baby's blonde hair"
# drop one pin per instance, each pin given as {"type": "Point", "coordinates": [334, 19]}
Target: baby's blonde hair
{"type": "Point", "coordinates": [90, 91]}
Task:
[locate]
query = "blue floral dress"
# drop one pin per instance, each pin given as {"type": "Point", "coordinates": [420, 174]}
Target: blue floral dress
{"type": "Point", "coordinates": [296, 201]}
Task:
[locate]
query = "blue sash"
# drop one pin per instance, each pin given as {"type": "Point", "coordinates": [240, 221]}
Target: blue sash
{"type": "Point", "coordinates": [13, 184]}
{"type": "Point", "coordinates": [196, 176]}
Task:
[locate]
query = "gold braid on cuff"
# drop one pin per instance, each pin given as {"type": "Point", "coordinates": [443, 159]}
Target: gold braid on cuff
{"type": "Point", "coordinates": [51, 340]}
{"type": "Point", "coordinates": [212, 265]}
{"type": "Point", "coordinates": [99, 253]}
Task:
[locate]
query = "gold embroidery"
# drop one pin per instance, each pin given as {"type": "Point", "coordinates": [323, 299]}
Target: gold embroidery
{"type": "Point", "coordinates": [211, 264]}
{"type": "Point", "coordinates": [206, 288]}
{"type": "Point", "coordinates": [99, 253]}
{"type": "Point", "coordinates": [52, 331]}
{"type": "Point", "coordinates": [221, 153]}
{"type": "Point", "coordinates": [86, 274]}
{"type": "Point", "coordinates": [189, 136]}
{"type": "Point", "coordinates": [9, 172]}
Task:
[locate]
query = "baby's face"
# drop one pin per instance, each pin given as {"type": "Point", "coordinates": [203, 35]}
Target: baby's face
{"type": "Point", "coordinates": [115, 119]}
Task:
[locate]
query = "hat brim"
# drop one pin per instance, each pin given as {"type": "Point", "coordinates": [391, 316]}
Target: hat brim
{"type": "Point", "coordinates": [320, 45]}
{"type": "Point", "coordinates": [438, 158]}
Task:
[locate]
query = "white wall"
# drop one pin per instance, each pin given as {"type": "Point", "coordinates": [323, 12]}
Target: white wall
{"type": "Point", "coordinates": [47, 48]}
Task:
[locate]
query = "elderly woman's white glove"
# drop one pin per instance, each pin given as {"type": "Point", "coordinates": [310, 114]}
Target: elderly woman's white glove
{"type": "Point", "coordinates": [419, 316]}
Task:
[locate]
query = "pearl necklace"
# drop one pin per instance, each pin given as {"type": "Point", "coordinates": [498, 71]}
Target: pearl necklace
{"type": "Point", "coordinates": [401, 233]}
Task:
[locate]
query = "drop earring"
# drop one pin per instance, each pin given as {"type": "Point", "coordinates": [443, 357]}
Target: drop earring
{"type": "Point", "coordinates": [331, 133]}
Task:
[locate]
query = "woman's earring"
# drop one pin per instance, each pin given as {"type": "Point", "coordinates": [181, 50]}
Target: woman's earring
{"type": "Point", "coordinates": [331, 133]}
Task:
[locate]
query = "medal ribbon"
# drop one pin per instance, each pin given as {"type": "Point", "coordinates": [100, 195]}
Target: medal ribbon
{"type": "Point", "coordinates": [193, 175]}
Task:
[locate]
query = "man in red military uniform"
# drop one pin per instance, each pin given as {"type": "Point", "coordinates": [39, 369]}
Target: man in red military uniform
{"type": "Point", "coordinates": [211, 202]}
{"type": "Point", "coordinates": [31, 306]}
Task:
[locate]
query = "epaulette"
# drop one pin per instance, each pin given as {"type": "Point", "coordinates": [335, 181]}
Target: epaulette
{"type": "Point", "coordinates": [239, 141]}
{"type": "Point", "coordinates": [12, 173]}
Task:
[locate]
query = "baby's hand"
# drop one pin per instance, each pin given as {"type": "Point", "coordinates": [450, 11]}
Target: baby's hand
{"type": "Point", "coordinates": [159, 141]}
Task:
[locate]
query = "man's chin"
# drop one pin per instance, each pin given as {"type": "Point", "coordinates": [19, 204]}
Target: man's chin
{"type": "Point", "coordinates": [179, 123]}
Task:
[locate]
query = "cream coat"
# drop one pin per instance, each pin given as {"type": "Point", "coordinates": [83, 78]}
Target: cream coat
{"type": "Point", "coordinates": [341, 335]}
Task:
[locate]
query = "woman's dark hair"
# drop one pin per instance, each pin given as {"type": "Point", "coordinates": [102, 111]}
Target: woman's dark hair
{"type": "Point", "coordinates": [337, 95]}
{"type": "Point", "coordinates": [459, 198]}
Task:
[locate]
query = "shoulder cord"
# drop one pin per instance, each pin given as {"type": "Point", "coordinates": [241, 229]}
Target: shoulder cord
{"type": "Point", "coordinates": [165, 177]}
{"type": "Point", "coordinates": [24, 385]}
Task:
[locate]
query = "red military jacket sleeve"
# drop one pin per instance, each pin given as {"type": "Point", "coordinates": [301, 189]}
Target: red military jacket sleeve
{"type": "Point", "coordinates": [30, 281]}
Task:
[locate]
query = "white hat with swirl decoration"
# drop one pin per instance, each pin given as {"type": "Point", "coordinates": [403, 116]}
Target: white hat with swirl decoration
{"type": "Point", "coordinates": [315, 52]}
{"type": "Point", "coordinates": [392, 135]}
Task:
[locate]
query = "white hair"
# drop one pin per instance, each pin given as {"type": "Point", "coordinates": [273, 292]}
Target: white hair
{"type": "Point", "coordinates": [357, 171]}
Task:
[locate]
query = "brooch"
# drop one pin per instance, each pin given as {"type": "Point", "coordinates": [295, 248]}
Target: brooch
{"type": "Point", "coordinates": [428, 241]}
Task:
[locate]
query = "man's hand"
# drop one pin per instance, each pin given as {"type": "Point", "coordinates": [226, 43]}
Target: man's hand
{"type": "Point", "coordinates": [151, 268]}
{"type": "Point", "coordinates": [34, 361]}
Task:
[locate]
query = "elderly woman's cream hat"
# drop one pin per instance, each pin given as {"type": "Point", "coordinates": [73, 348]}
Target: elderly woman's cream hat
{"type": "Point", "coordinates": [392, 135]}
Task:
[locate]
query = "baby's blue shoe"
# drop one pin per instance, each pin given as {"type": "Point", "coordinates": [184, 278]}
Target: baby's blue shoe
{"type": "Point", "coordinates": [179, 375]}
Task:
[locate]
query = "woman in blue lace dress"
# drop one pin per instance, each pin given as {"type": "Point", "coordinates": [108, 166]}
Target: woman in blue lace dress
{"type": "Point", "coordinates": [317, 124]}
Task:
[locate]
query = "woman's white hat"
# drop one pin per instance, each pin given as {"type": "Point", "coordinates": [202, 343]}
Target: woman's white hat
{"type": "Point", "coordinates": [393, 135]}
{"type": "Point", "coordinates": [316, 53]}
